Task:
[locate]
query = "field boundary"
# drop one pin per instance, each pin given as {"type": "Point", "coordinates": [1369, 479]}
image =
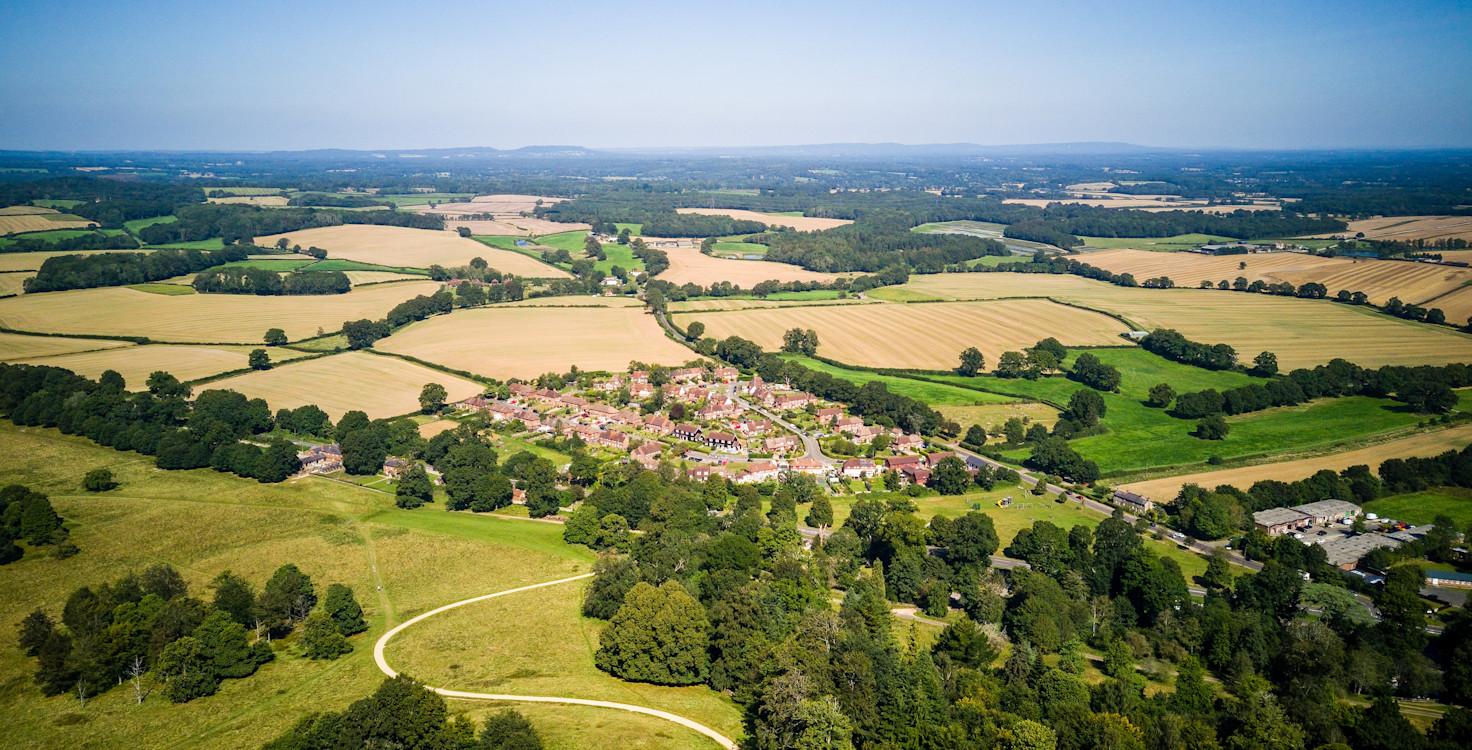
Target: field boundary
{"type": "Point", "coordinates": [382, 662]}
{"type": "Point", "coordinates": [483, 380]}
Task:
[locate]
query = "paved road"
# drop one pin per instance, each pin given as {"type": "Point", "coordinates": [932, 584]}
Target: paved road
{"type": "Point", "coordinates": [811, 449]}
{"type": "Point", "coordinates": [378, 648]}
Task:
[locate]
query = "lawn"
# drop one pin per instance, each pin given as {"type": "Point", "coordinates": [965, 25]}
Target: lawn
{"type": "Point", "coordinates": [1424, 507]}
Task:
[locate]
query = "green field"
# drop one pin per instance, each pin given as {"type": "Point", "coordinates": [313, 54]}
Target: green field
{"type": "Point", "coordinates": [900, 294]}
{"type": "Point", "coordinates": [572, 242]}
{"type": "Point", "coordinates": [274, 264]}
{"type": "Point", "coordinates": [739, 248]}
{"type": "Point", "coordinates": [54, 202]}
{"type": "Point", "coordinates": [1423, 507]}
{"type": "Point", "coordinates": [62, 234]}
{"type": "Point", "coordinates": [168, 290]}
{"type": "Point", "coordinates": [333, 264]}
{"type": "Point", "coordinates": [1157, 244]}
{"type": "Point", "coordinates": [203, 522]}
{"type": "Point", "coordinates": [137, 224]}
{"type": "Point", "coordinates": [422, 199]}
{"type": "Point", "coordinates": [213, 243]}
{"type": "Point", "coordinates": [935, 394]}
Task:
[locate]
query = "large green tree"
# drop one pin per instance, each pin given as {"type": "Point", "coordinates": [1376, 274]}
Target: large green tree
{"type": "Point", "coordinates": [659, 635]}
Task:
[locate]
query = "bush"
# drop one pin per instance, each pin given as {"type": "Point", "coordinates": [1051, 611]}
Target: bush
{"type": "Point", "coordinates": [99, 480]}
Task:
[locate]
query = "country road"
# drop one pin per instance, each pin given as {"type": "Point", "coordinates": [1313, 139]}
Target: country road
{"type": "Point", "coordinates": [378, 648]}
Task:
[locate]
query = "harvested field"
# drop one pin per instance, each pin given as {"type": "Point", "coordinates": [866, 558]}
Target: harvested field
{"type": "Point", "coordinates": [993, 416]}
{"type": "Point", "coordinates": [32, 261]}
{"type": "Point", "coordinates": [800, 223]}
{"type": "Point", "coordinates": [541, 227]}
{"type": "Point", "coordinates": [688, 266]}
{"type": "Point", "coordinates": [430, 429]}
{"type": "Point", "coordinates": [575, 302]}
{"type": "Point", "coordinates": [1407, 228]}
{"type": "Point", "coordinates": [41, 222]}
{"type": "Point", "coordinates": [136, 363]}
{"type": "Point", "coordinates": [1145, 203]}
{"type": "Point", "coordinates": [214, 318]}
{"type": "Point", "coordinates": [253, 200]}
{"type": "Point", "coordinates": [378, 277]}
{"type": "Point", "coordinates": [1303, 333]}
{"type": "Point", "coordinates": [920, 336]}
{"type": "Point", "coordinates": [1425, 444]}
{"type": "Point", "coordinates": [13, 282]}
{"type": "Point", "coordinates": [380, 386]}
{"type": "Point", "coordinates": [412, 248]}
{"type": "Point", "coordinates": [500, 206]}
{"type": "Point", "coordinates": [484, 228]}
{"type": "Point", "coordinates": [1380, 279]}
{"type": "Point", "coordinates": [25, 210]}
{"type": "Point", "coordinates": [15, 346]}
{"type": "Point", "coordinates": [747, 304]}
{"type": "Point", "coordinates": [526, 342]}
{"type": "Point", "coordinates": [1457, 306]}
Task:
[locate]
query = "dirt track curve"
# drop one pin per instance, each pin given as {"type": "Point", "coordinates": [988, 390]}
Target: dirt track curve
{"type": "Point", "coordinates": [722, 740]}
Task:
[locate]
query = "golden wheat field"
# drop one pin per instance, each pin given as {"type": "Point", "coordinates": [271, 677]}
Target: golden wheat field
{"type": "Point", "coordinates": [688, 266]}
{"type": "Point", "coordinates": [927, 336]}
{"type": "Point", "coordinates": [213, 318]}
{"type": "Point", "coordinates": [1457, 305]}
{"type": "Point", "coordinates": [1424, 444]}
{"type": "Point", "coordinates": [697, 305]}
{"type": "Point", "coordinates": [1146, 203]}
{"type": "Point", "coordinates": [32, 261]}
{"type": "Point", "coordinates": [1380, 279]}
{"type": "Point", "coordinates": [15, 346]}
{"type": "Point", "coordinates": [1407, 228]}
{"type": "Point", "coordinates": [483, 227]}
{"type": "Point", "coordinates": [14, 282]}
{"type": "Point", "coordinates": [500, 206]}
{"type": "Point", "coordinates": [528, 341]}
{"type": "Point", "coordinates": [40, 223]}
{"type": "Point", "coordinates": [378, 277]}
{"type": "Point", "coordinates": [1303, 333]}
{"type": "Point", "coordinates": [800, 223]}
{"type": "Point", "coordinates": [25, 210]}
{"type": "Point", "coordinates": [378, 385]}
{"type": "Point", "coordinates": [412, 248]}
{"type": "Point", "coordinates": [136, 363]}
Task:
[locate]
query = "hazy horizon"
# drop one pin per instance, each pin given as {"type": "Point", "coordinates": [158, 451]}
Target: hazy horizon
{"type": "Point", "coordinates": [277, 76]}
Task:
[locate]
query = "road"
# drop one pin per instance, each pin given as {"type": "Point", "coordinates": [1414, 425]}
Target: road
{"type": "Point", "coordinates": [811, 448]}
{"type": "Point", "coordinates": [378, 648]}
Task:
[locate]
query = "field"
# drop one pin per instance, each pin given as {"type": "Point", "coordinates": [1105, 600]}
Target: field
{"type": "Point", "coordinates": [1407, 228]}
{"type": "Point", "coordinates": [526, 342]}
{"type": "Point", "coordinates": [14, 282]}
{"type": "Point", "coordinates": [378, 277]}
{"type": "Point", "coordinates": [1457, 305]}
{"type": "Point", "coordinates": [572, 242]}
{"type": "Point", "coordinates": [1424, 507]}
{"type": "Point", "coordinates": [213, 318]}
{"type": "Point", "coordinates": [415, 248]}
{"type": "Point", "coordinates": [203, 522]}
{"type": "Point", "coordinates": [920, 336]}
{"type": "Point", "coordinates": [1157, 244]}
{"type": "Point", "coordinates": [14, 346]}
{"type": "Point", "coordinates": [32, 261]}
{"type": "Point", "coordinates": [136, 363]}
{"type": "Point", "coordinates": [1143, 203]}
{"type": "Point", "coordinates": [800, 223]}
{"type": "Point", "coordinates": [1422, 444]}
{"type": "Point", "coordinates": [1303, 333]}
{"type": "Point", "coordinates": [275, 201]}
{"type": "Point", "coordinates": [746, 303]}
{"type": "Point", "coordinates": [688, 266]}
{"type": "Point", "coordinates": [380, 386]}
{"type": "Point", "coordinates": [40, 221]}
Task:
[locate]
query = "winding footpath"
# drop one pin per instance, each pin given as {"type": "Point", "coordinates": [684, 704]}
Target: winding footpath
{"type": "Point", "coordinates": [378, 648]}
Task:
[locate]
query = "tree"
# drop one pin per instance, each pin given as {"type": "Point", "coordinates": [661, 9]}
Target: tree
{"type": "Point", "coordinates": [1426, 397]}
{"type": "Point", "coordinates": [820, 515]}
{"type": "Point", "coordinates": [659, 635]}
{"type": "Point", "coordinates": [275, 337]}
{"type": "Point", "coordinates": [1011, 365]}
{"type": "Point", "coordinates": [259, 360]}
{"type": "Point", "coordinates": [235, 597]}
{"type": "Point", "coordinates": [973, 540]}
{"type": "Point", "coordinates": [321, 639]}
{"type": "Point", "coordinates": [286, 599]}
{"type": "Point", "coordinates": [98, 480]}
{"type": "Point", "coordinates": [1085, 408]}
{"type": "Point", "coordinates": [509, 730]}
{"type": "Point", "coordinates": [363, 452]}
{"type": "Point", "coordinates": [695, 329]}
{"type": "Point", "coordinates": [1213, 427]}
{"type": "Point", "coordinates": [950, 476]}
{"type": "Point", "coordinates": [343, 608]}
{"type": "Point", "coordinates": [1094, 373]}
{"type": "Point", "coordinates": [975, 436]}
{"type": "Point", "coordinates": [972, 362]}
{"type": "Point", "coordinates": [432, 398]}
{"type": "Point", "coordinates": [1161, 395]}
{"type": "Point", "coordinates": [414, 488]}
{"type": "Point", "coordinates": [1265, 365]}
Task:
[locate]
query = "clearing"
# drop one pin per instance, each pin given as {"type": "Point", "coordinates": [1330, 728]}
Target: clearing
{"type": "Point", "coordinates": [688, 266]}
{"type": "Point", "coordinates": [414, 248]}
{"type": "Point", "coordinates": [528, 341]}
{"type": "Point", "coordinates": [15, 346]}
{"type": "Point", "coordinates": [380, 386]}
{"type": "Point", "coordinates": [211, 318]}
{"type": "Point", "coordinates": [928, 337]}
{"type": "Point", "coordinates": [1303, 333]}
{"type": "Point", "coordinates": [800, 223]}
{"type": "Point", "coordinates": [1423, 444]}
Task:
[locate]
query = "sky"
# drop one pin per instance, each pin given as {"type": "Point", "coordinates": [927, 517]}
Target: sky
{"type": "Point", "coordinates": [267, 75]}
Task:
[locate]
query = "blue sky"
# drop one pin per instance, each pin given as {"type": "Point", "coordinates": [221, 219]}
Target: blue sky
{"type": "Point", "coordinates": [420, 74]}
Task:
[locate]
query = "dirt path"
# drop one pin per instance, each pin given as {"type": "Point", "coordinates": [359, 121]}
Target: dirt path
{"type": "Point", "coordinates": [378, 657]}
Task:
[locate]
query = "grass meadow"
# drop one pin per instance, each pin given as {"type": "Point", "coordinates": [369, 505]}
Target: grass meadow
{"type": "Point", "coordinates": [1424, 507]}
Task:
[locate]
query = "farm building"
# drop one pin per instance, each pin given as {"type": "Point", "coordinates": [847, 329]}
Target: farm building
{"type": "Point", "coordinates": [1329, 511]}
{"type": "Point", "coordinates": [1130, 500]}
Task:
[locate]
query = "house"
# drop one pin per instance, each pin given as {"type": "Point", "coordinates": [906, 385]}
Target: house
{"type": "Point", "coordinates": [763, 471]}
{"type": "Point", "coordinates": [641, 390]}
{"type": "Point", "coordinates": [521, 390]}
{"type": "Point", "coordinates": [612, 384]}
{"type": "Point", "coordinates": [906, 443]}
{"type": "Point", "coordinates": [518, 496]}
{"type": "Point", "coordinates": [548, 395]}
{"type": "Point", "coordinates": [575, 402]}
{"type": "Point", "coordinates": [783, 444]}
{"type": "Point", "coordinates": [934, 459]}
{"type": "Point", "coordinates": [809, 466]}
{"type": "Point", "coordinates": [753, 385]}
{"type": "Point", "coordinates": [630, 418]}
{"type": "Point", "coordinates": [829, 415]}
{"type": "Point", "coordinates": [474, 403]}
{"type": "Point", "coordinates": [702, 473]}
{"type": "Point", "coordinates": [394, 467]}
{"type": "Point", "coordinates": [501, 412]}
{"type": "Point", "coordinates": [529, 418]}
{"type": "Point", "coordinates": [1276, 521]}
{"type": "Point", "coordinates": [791, 401]}
{"type": "Point", "coordinates": [687, 374]}
{"type": "Point", "coordinates": [847, 424]}
{"type": "Point", "coordinates": [612, 439]}
{"type": "Point", "coordinates": [639, 376]}
{"type": "Point", "coordinates": [601, 411]}
{"type": "Point", "coordinates": [866, 435]}
{"type": "Point", "coordinates": [319, 461]}
{"type": "Point", "coordinates": [647, 455]}
{"type": "Point", "coordinates": [1131, 501]}
{"type": "Point", "coordinates": [727, 374]}
{"type": "Point", "coordinates": [1448, 579]}
{"type": "Point", "coordinates": [859, 467]}
{"type": "Point", "coordinates": [720, 409]}
{"type": "Point", "coordinates": [724, 441]}
{"type": "Point", "coordinates": [611, 281]}
{"type": "Point", "coordinates": [916, 473]}
{"type": "Point", "coordinates": [754, 426]}
{"type": "Point", "coordinates": [687, 432]}
{"type": "Point", "coordinates": [898, 463]}
{"type": "Point", "coordinates": [659, 424]}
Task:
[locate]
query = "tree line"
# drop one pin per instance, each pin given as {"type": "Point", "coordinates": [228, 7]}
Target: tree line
{"type": "Point", "coordinates": [62, 272]}
{"type": "Point", "coordinates": [1427, 389]}
{"type": "Point", "coordinates": [89, 241]}
{"type": "Point", "coordinates": [145, 631]}
{"type": "Point", "coordinates": [238, 223]}
{"type": "Point", "coordinates": [265, 282]}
